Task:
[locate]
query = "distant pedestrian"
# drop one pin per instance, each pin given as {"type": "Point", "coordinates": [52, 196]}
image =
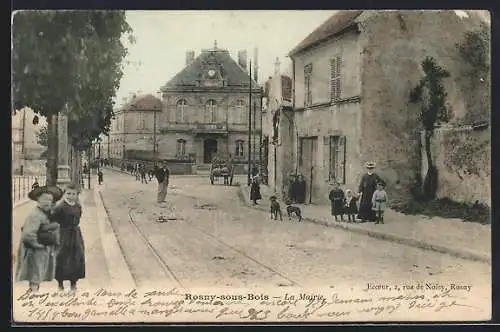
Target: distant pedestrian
{"type": "Point", "coordinates": [100, 176]}
{"type": "Point", "coordinates": [70, 262]}
{"type": "Point", "coordinates": [151, 173]}
{"type": "Point", "coordinates": [336, 197]}
{"type": "Point", "coordinates": [301, 189]}
{"type": "Point", "coordinates": [255, 190]}
{"type": "Point", "coordinates": [379, 201]}
{"type": "Point", "coordinates": [37, 254]}
{"type": "Point", "coordinates": [367, 187]}
{"type": "Point", "coordinates": [137, 172]}
{"type": "Point", "coordinates": [163, 176]}
{"type": "Point", "coordinates": [142, 170]}
{"type": "Point", "coordinates": [350, 206]}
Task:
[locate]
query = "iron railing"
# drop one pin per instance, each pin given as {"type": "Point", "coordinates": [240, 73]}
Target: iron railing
{"type": "Point", "coordinates": [21, 185]}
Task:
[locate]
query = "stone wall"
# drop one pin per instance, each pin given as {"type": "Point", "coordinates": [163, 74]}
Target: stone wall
{"type": "Point", "coordinates": [393, 44]}
{"type": "Point", "coordinates": [463, 160]}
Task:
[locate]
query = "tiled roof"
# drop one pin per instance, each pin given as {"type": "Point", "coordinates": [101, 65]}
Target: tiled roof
{"type": "Point", "coordinates": [232, 72]}
{"type": "Point", "coordinates": [332, 26]}
{"type": "Point", "coordinates": [144, 103]}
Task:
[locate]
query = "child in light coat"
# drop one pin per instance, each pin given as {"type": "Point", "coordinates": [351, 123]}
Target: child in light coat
{"type": "Point", "coordinates": [379, 201]}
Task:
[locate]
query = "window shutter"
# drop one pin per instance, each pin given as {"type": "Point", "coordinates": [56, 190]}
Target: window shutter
{"type": "Point", "coordinates": [337, 74]}
{"type": "Point", "coordinates": [326, 157]}
{"type": "Point", "coordinates": [333, 80]}
{"type": "Point", "coordinates": [342, 161]}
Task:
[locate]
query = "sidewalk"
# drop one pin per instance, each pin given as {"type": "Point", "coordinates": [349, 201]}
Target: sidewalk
{"type": "Point", "coordinates": [103, 266]}
{"type": "Point", "coordinates": [451, 236]}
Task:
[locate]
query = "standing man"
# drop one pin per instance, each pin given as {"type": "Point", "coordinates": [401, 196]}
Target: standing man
{"type": "Point", "coordinates": [366, 189]}
{"type": "Point", "coordinates": [162, 175]}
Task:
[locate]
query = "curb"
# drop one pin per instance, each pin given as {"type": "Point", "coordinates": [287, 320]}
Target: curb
{"type": "Point", "coordinates": [464, 254]}
{"type": "Point", "coordinates": [117, 266]}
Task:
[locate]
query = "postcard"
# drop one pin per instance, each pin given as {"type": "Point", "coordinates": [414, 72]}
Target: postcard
{"type": "Point", "coordinates": [251, 166]}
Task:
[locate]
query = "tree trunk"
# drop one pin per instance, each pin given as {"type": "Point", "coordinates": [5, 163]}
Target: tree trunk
{"type": "Point", "coordinates": [75, 176]}
{"type": "Point", "coordinates": [52, 150]}
{"type": "Point", "coordinates": [428, 149]}
{"type": "Point", "coordinates": [431, 178]}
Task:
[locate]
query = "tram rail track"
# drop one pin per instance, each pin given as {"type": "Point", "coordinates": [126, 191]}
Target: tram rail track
{"type": "Point", "coordinates": [167, 268]}
{"type": "Point", "coordinates": [169, 271]}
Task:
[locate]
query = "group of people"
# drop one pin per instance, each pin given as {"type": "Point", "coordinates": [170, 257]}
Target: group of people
{"type": "Point", "coordinates": [372, 199]}
{"type": "Point", "coordinates": [51, 245]}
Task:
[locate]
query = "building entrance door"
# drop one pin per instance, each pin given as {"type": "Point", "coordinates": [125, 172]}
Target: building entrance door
{"type": "Point", "coordinates": [308, 152]}
{"type": "Point", "coordinates": [209, 150]}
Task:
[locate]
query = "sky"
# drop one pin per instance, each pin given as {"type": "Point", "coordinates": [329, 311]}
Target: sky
{"type": "Point", "coordinates": [163, 37]}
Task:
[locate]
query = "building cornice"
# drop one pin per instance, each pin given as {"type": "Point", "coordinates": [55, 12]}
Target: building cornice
{"type": "Point", "coordinates": [210, 90]}
{"type": "Point", "coordinates": [348, 100]}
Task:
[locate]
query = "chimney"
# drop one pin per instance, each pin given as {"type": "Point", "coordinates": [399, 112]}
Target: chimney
{"type": "Point", "coordinates": [256, 64]}
{"type": "Point", "coordinates": [242, 59]}
{"type": "Point", "coordinates": [189, 57]}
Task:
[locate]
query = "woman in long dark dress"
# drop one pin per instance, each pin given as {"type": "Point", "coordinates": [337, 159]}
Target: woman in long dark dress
{"type": "Point", "coordinates": [255, 190]}
{"type": "Point", "coordinates": [366, 189]}
{"type": "Point", "coordinates": [70, 260]}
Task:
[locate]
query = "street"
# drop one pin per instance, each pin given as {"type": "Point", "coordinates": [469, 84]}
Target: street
{"type": "Point", "coordinates": [213, 240]}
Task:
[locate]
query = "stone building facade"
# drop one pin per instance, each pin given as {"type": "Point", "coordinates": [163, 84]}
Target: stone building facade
{"type": "Point", "coordinates": [132, 132]}
{"type": "Point", "coordinates": [352, 80]}
{"type": "Point", "coordinates": [278, 131]}
{"type": "Point", "coordinates": [205, 110]}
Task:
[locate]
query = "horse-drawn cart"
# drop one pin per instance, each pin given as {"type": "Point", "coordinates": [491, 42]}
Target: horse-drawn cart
{"type": "Point", "coordinates": [221, 168]}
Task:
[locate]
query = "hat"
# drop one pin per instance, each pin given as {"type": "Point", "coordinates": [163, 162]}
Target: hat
{"type": "Point", "coordinates": [56, 192]}
{"type": "Point", "coordinates": [370, 164]}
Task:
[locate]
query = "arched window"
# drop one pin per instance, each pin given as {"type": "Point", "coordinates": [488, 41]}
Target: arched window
{"type": "Point", "coordinates": [181, 109]}
{"type": "Point", "coordinates": [181, 147]}
{"type": "Point", "coordinates": [211, 111]}
{"type": "Point", "coordinates": [240, 111]}
{"type": "Point", "coordinates": [239, 148]}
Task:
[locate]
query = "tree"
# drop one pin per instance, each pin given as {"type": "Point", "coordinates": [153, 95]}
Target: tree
{"type": "Point", "coordinates": [431, 95]}
{"type": "Point", "coordinates": [101, 74]}
{"type": "Point", "coordinates": [474, 50]}
{"type": "Point", "coordinates": [58, 57]}
{"type": "Point", "coordinates": [42, 136]}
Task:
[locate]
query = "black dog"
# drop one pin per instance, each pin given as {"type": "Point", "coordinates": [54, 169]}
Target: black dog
{"type": "Point", "coordinates": [275, 208]}
{"type": "Point", "coordinates": [292, 209]}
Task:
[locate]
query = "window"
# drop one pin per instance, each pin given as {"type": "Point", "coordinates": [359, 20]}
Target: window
{"type": "Point", "coordinates": [239, 148]}
{"type": "Point", "coordinates": [181, 109]}
{"type": "Point", "coordinates": [307, 85]}
{"type": "Point", "coordinates": [141, 121]}
{"type": "Point", "coordinates": [336, 158]}
{"type": "Point", "coordinates": [335, 81]}
{"type": "Point", "coordinates": [211, 111]}
{"type": "Point", "coordinates": [241, 111]}
{"type": "Point", "coordinates": [181, 147]}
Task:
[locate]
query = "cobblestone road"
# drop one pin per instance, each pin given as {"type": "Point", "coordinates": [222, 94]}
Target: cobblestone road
{"type": "Point", "coordinates": [213, 240]}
